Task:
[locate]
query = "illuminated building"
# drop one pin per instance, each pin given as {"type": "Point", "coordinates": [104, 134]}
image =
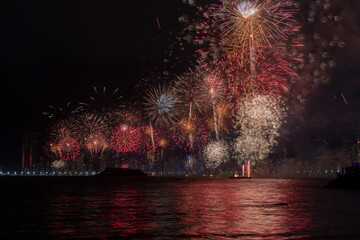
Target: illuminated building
{"type": "Point", "coordinates": [29, 153]}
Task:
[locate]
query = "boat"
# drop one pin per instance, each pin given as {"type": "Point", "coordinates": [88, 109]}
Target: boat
{"type": "Point", "coordinates": [237, 176]}
{"type": "Point", "coordinates": [241, 177]}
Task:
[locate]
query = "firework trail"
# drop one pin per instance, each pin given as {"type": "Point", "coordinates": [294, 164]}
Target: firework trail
{"type": "Point", "coordinates": [212, 90]}
{"type": "Point", "coordinates": [160, 107]}
{"type": "Point", "coordinates": [146, 145]}
{"type": "Point", "coordinates": [185, 87]}
{"type": "Point", "coordinates": [189, 135]}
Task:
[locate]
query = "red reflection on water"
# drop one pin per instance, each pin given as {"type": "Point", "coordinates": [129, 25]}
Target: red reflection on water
{"type": "Point", "coordinates": [127, 212]}
{"type": "Point", "coordinates": [190, 208]}
{"type": "Point", "coordinates": [240, 208]}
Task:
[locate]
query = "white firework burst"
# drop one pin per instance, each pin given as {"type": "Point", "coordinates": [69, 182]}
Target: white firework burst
{"type": "Point", "coordinates": [57, 164]}
{"type": "Point", "coordinates": [215, 153]}
{"type": "Point", "coordinates": [259, 120]}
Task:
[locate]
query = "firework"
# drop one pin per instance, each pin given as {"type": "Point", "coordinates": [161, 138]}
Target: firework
{"type": "Point", "coordinates": [61, 112]}
{"type": "Point", "coordinates": [62, 129]}
{"type": "Point", "coordinates": [126, 139]}
{"type": "Point", "coordinates": [95, 142]}
{"type": "Point", "coordinates": [259, 120]}
{"type": "Point", "coordinates": [128, 115]}
{"type": "Point", "coordinates": [68, 149]}
{"type": "Point", "coordinates": [272, 77]}
{"type": "Point", "coordinates": [146, 145]}
{"type": "Point", "coordinates": [185, 87]}
{"type": "Point", "coordinates": [212, 91]}
{"type": "Point", "coordinates": [189, 163]}
{"type": "Point", "coordinates": [57, 164]}
{"type": "Point", "coordinates": [189, 135]}
{"type": "Point", "coordinates": [51, 149]}
{"type": "Point", "coordinates": [256, 22]}
{"type": "Point", "coordinates": [102, 100]}
{"type": "Point", "coordinates": [88, 123]}
{"type": "Point", "coordinates": [248, 26]}
{"type": "Point", "coordinates": [160, 104]}
{"type": "Point", "coordinates": [215, 153]}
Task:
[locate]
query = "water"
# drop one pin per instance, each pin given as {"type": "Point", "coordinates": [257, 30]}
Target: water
{"type": "Point", "coordinates": [88, 208]}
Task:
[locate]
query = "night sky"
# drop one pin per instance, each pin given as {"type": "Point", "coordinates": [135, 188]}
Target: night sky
{"type": "Point", "coordinates": [54, 52]}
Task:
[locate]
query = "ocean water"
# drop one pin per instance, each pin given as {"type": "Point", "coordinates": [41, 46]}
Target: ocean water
{"type": "Point", "coordinates": [176, 208]}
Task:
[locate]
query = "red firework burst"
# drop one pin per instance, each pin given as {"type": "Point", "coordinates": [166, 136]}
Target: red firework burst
{"type": "Point", "coordinates": [68, 148]}
{"type": "Point", "coordinates": [96, 142]}
{"type": "Point", "coordinates": [189, 135]}
{"type": "Point", "coordinates": [126, 139]}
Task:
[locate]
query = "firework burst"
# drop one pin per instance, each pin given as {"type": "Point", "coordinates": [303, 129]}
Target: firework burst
{"type": "Point", "coordinates": [185, 87]}
{"type": "Point", "coordinates": [160, 105]}
{"type": "Point", "coordinates": [102, 100]}
{"type": "Point", "coordinates": [189, 135]}
{"type": "Point", "coordinates": [62, 129]}
{"type": "Point", "coordinates": [216, 153]}
{"type": "Point", "coordinates": [89, 123]}
{"type": "Point", "coordinates": [146, 145]}
{"type": "Point", "coordinates": [253, 24]}
{"type": "Point", "coordinates": [50, 149]}
{"type": "Point", "coordinates": [211, 89]}
{"type": "Point", "coordinates": [57, 164]}
{"type": "Point", "coordinates": [95, 142]}
{"type": "Point", "coordinates": [259, 120]}
{"type": "Point", "coordinates": [68, 148]}
{"type": "Point", "coordinates": [126, 139]}
{"type": "Point", "coordinates": [61, 112]}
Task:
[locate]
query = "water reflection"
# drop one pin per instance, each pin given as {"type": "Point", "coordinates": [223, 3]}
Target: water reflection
{"type": "Point", "coordinates": [210, 208]}
{"type": "Point", "coordinates": [185, 208]}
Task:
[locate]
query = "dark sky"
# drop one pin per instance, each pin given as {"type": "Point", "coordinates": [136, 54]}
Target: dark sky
{"type": "Point", "coordinates": [53, 52]}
